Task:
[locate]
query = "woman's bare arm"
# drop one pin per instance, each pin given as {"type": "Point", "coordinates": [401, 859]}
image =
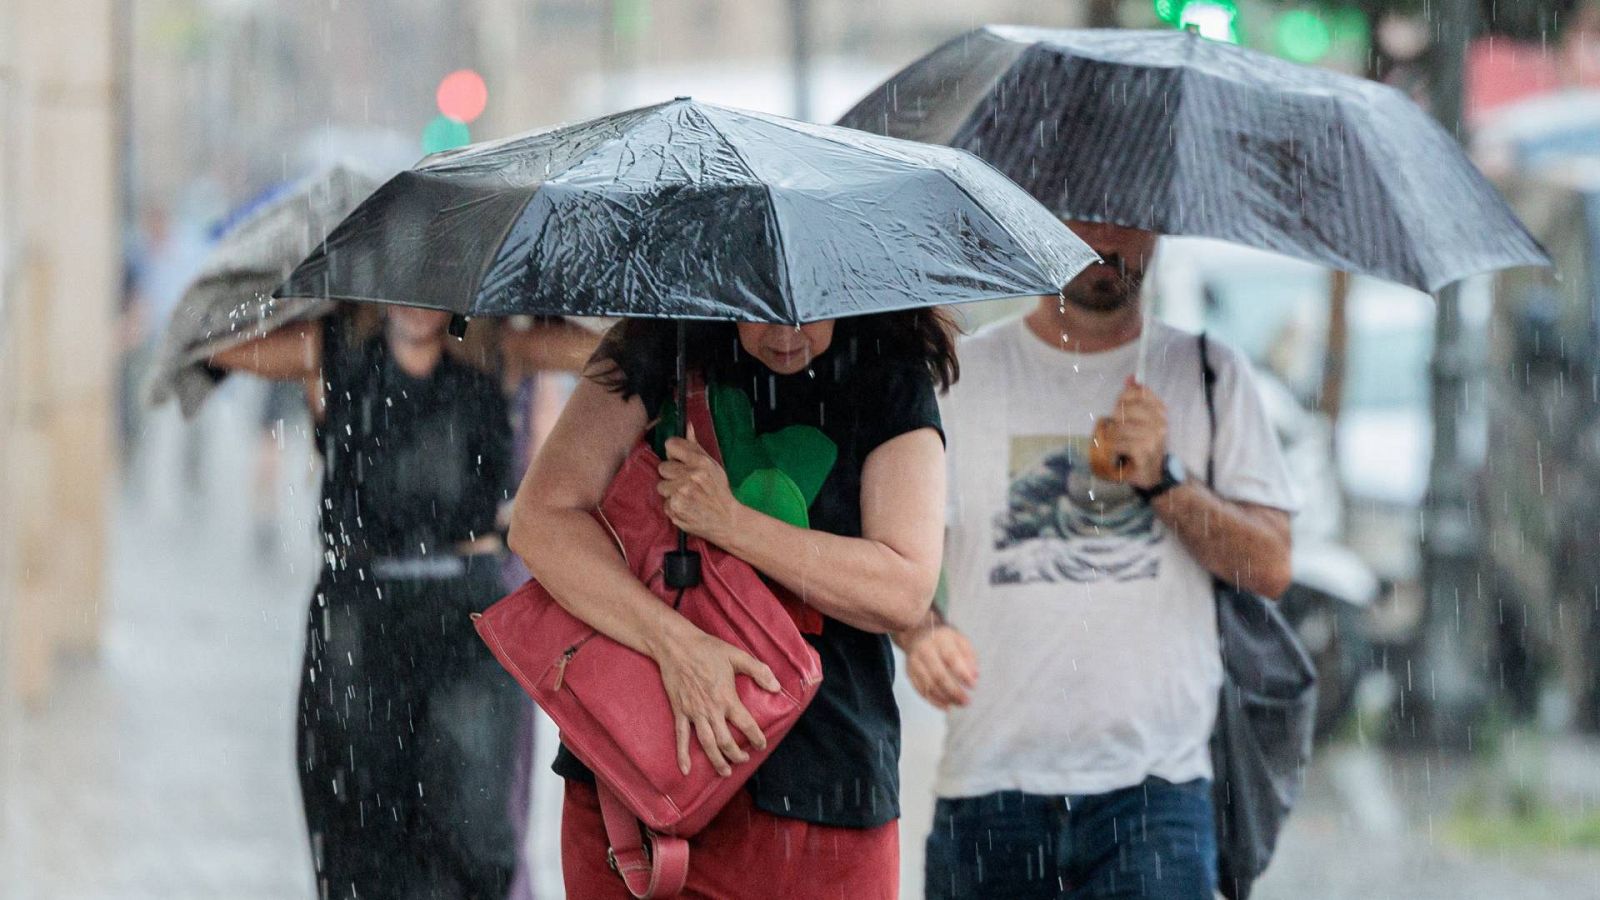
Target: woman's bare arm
{"type": "Point", "coordinates": [554, 531]}
{"type": "Point", "coordinates": [882, 581]}
{"type": "Point", "coordinates": [291, 353]}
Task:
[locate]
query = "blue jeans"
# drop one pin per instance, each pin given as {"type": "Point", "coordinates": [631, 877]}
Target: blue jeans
{"type": "Point", "coordinates": [1153, 840]}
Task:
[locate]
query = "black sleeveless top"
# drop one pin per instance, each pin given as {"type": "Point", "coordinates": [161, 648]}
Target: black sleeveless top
{"type": "Point", "coordinates": [411, 466]}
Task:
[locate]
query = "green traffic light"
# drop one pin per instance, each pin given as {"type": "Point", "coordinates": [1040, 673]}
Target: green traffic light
{"type": "Point", "coordinates": [1303, 36]}
{"type": "Point", "coordinates": [1216, 20]}
{"type": "Point", "coordinates": [444, 133]}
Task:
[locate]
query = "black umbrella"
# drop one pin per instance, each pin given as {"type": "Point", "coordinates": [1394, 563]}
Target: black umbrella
{"type": "Point", "coordinates": [1173, 133]}
{"type": "Point", "coordinates": [687, 210]}
{"type": "Point", "coordinates": [692, 211]}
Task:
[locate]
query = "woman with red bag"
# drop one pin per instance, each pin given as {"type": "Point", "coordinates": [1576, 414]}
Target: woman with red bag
{"type": "Point", "coordinates": [833, 431]}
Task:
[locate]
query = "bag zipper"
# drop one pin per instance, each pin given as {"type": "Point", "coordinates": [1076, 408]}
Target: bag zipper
{"type": "Point", "coordinates": [566, 657]}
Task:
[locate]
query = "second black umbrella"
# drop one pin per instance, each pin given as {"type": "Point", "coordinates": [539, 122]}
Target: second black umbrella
{"type": "Point", "coordinates": [1171, 132]}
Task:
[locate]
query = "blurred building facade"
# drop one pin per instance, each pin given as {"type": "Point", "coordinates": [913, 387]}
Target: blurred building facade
{"type": "Point", "coordinates": [59, 271]}
{"type": "Point", "coordinates": [244, 92]}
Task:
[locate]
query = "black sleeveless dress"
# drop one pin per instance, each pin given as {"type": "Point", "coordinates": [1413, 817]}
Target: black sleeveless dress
{"type": "Point", "coordinates": [408, 727]}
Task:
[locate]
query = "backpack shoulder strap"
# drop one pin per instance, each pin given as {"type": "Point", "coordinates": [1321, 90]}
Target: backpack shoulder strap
{"type": "Point", "coordinates": [1208, 382]}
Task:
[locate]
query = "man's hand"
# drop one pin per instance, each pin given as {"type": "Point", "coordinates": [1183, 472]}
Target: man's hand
{"type": "Point", "coordinates": [941, 665]}
{"type": "Point", "coordinates": [1137, 434]}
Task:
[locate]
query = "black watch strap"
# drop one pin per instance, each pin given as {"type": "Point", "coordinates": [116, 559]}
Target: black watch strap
{"type": "Point", "coordinates": [1171, 477]}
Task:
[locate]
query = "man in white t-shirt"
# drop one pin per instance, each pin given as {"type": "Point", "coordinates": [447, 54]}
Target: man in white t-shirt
{"type": "Point", "coordinates": [1076, 764]}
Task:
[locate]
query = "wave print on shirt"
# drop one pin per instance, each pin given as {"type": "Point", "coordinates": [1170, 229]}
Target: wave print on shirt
{"type": "Point", "coordinates": [1062, 524]}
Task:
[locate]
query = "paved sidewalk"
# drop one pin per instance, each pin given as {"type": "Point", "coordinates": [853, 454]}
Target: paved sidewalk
{"type": "Point", "coordinates": [164, 768]}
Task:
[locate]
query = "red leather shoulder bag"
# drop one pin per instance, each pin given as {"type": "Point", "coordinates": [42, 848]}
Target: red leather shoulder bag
{"type": "Point", "coordinates": [608, 700]}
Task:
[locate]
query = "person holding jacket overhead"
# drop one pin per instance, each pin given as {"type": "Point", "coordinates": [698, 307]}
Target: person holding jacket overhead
{"type": "Point", "coordinates": [407, 726]}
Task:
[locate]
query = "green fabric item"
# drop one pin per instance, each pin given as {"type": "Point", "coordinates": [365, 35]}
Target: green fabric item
{"type": "Point", "coordinates": [736, 432]}
{"type": "Point", "coordinates": [779, 473]}
{"type": "Point", "coordinates": [773, 492]}
{"type": "Point", "coordinates": [804, 454]}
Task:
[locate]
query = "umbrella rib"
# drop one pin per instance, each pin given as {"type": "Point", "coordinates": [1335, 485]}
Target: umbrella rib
{"type": "Point", "coordinates": [618, 134]}
{"type": "Point", "coordinates": [786, 288]}
{"type": "Point", "coordinates": [489, 259]}
{"type": "Point", "coordinates": [927, 165]}
{"type": "Point", "coordinates": [1021, 244]}
{"type": "Point", "coordinates": [1419, 277]}
{"type": "Point", "coordinates": [1175, 122]}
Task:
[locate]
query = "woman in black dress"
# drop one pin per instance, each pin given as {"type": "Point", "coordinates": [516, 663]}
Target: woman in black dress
{"type": "Point", "coordinates": [407, 726]}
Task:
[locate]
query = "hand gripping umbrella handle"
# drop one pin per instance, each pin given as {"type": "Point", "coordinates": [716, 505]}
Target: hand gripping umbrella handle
{"type": "Point", "coordinates": [681, 567]}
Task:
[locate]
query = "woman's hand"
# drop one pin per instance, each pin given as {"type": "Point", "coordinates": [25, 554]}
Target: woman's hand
{"type": "Point", "coordinates": [698, 499]}
{"type": "Point", "coordinates": [941, 665]}
{"type": "Point", "coordinates": [698, 671]}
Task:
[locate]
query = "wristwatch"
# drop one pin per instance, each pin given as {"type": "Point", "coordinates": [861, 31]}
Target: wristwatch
{"type": "Point", "coordinates": [1172, 475]}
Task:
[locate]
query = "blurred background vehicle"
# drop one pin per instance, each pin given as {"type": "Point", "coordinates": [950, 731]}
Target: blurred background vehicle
{"type": "Point", "coordinates": [1543, 524]}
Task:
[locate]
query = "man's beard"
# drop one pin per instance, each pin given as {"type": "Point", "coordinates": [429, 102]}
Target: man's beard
{"type": "Point", "coordinates": [1098, 291]}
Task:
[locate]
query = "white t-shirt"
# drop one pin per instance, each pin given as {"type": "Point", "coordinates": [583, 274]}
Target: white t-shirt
{"type": "Point", "coordinates": [1095, 629]}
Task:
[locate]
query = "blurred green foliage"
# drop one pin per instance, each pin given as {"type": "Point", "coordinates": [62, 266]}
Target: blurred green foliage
{"type": "Point", "coordinates": [1509, 807]}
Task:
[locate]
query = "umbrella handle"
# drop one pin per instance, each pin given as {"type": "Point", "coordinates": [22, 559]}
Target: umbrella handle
{"type": "Point", "coordinates": [1144, 342]}
{"type": "Point", "coordinates": [681, 567]}
{"type": "Point", "coordinates": [1105, 465]}
{"type": "Point", "coordinates": [1101, 461]}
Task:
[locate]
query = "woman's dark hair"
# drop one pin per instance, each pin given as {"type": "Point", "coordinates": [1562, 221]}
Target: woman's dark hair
{"type": "Point", "coordinates": [638, 352]}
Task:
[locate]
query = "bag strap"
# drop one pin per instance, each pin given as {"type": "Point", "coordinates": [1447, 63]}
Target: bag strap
{"type": "Point", "coordinates": [1208, 381]}
{"type": "Point", "coordinates": [1208, 384]}
{"type": "Point", "coordinates": [651, 865]}
{"type": "Point", "coordinates": [654, 865]}
{"type": "Point", "coordinates": [705, 427]}
{"type": "Point", "coordinates": [700, 420]}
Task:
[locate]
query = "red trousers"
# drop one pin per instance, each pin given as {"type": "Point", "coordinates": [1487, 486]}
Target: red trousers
{"type": "Point", "coordinates": [743, 853]}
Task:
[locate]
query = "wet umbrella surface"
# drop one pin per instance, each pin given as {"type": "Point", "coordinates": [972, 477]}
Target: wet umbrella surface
{"type": "Point", "coordinates": [1173, 133]}
{"type": "Point", "coordinates": [693, 211]}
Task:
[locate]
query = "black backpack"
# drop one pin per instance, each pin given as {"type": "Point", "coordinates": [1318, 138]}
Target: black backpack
{"type": "Point", "coordinates": [1262, 739]}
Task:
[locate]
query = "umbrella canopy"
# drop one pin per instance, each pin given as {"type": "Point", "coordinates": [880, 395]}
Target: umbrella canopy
{"type": "Point", "coordinates": [1173, 133]}
{"type": "Point", "coordinates": [688, 210]}
{"type": "Point", "coordinates": [230, 301]}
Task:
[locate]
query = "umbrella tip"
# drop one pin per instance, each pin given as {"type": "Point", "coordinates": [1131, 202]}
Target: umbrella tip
{"type": "Point", "coordinates": [682, 98]}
